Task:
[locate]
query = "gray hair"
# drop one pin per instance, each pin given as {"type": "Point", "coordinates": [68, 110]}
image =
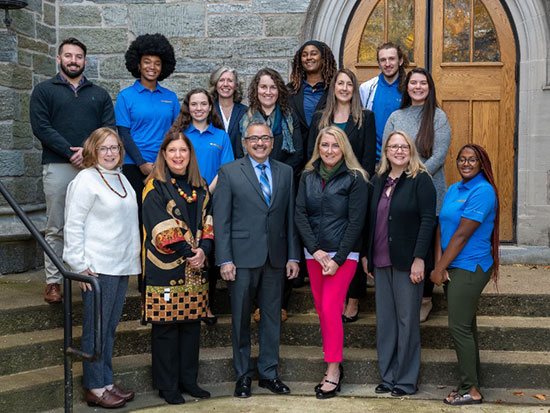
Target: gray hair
{"type": "Point", "coordinates": [215, 76]}
{"type": "Point", "coordinates": [258, 122]}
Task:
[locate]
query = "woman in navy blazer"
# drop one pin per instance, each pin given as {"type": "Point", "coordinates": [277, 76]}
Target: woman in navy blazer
{"type": "Point", "coordinates": [227, 93]}
{"type": "Point", "coordinates": [400, 226]}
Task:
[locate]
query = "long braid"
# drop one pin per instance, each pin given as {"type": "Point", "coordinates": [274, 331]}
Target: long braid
{"type": "Point", "coordinates": [487, 170]}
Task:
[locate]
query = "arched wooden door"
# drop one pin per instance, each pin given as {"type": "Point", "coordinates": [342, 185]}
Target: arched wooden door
{"type": "Point", "coordinates": [472, 56]}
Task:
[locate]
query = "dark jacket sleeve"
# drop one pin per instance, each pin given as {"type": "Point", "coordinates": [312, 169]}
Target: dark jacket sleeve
{"type": "Point", "coordinates": [223, 200]}
{"type": "Point", "coordinates": [369, 138]}
{"type": "Point", "coordinates": [108, 117]}
{"type": "Point", "coordinates": [295, 159]}
{"type": "Point", "coordinates": [292, 233]}
{"type": "Point", "coordinates": [302, 222]}
{"type": "Point", "coordinates": [358, 198]}
{"type": "Point", "coordinates": [426, 201]}
{"type": "Point", "coordinates": [313, 131]}
{"type": "Point", "coordinates": [130, 146]}
{"type": "Point", "coordinates": [207, 243]}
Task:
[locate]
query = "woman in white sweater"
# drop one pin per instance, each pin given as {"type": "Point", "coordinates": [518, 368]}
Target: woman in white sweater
{"type": "Point", "coordinates": [102, 240]}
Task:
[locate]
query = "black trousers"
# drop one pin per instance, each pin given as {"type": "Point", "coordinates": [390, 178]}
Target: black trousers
{"type": "Point", "coordinates": [175, 350]}
{"type": "Point", "coordinates": [358, 286]}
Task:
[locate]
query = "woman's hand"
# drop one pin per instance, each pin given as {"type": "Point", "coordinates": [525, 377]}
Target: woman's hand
{"type": "Point", "coordinates": [417, 271]}
{"type": "Point", "coordinates": [146, 168]}
{"type": "Point", "coordinates": [87, 286]}
{"type": "Point", "coordinates": [365, 264]}
{"type": "Point", "coordinates": [330, 268]}
{"type": "Point", "coordinates": [439, 276]}
{"type": "Point", "coordinates": [197, 260]}
{"type": "Point", "coordinates": [322, 257]}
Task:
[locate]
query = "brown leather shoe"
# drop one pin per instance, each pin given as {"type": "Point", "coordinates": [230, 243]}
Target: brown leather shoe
{"type": "Point", "coordinates": [284, 315]}
{"type": "Point", "coordinates": [53, 293]}
{"type": "Point", "coordinates": [123, 394]}
{"type": "Point", "coordinates": [256, 316]}
{"type": "Point", "coordinates": [107, 400]}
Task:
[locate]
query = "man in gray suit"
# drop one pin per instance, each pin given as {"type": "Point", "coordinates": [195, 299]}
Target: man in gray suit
{"type": "Point", "coordinates": [256, 244]}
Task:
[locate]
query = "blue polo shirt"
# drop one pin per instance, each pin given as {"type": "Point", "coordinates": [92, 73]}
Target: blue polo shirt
{"type": "Point", "coordinates": [387, 100]}
{"type": "Point", "coordinates": [312, 95]}
{"type": "Point", "coordinates": [212, 147]}
{"type": "Point", "coordinates": [475, 200]}
{"type": "Point", "coordinates": [148, 115]}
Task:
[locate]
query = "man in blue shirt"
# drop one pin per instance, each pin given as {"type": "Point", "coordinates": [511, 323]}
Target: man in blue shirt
{"type": "Point", "coordinates": [382, 94]}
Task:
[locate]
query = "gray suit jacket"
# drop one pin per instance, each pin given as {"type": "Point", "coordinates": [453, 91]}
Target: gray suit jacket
{"type": "Point", "coordinates": [246, 229]}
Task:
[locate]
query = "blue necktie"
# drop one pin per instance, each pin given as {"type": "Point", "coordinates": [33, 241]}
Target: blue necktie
{"type": "Point", "coordinates": [264, 183]}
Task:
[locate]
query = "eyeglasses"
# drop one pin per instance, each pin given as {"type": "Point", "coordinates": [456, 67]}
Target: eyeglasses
{"type": "Point", "coordinates": [256, 139]}
{"type": "Point", "coordinates": [470, 161]}
{"type": "Point", "coordinates": [403, 148]}
{"type": "Point", "coordinates": [104, 149]}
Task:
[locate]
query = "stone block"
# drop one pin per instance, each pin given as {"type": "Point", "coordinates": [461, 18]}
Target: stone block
{"type": "Point", "coordinates": [205, 48]}
{"type": "Point", "coordinates": [115, 15]}
{"type": "Point", "coordinates": [52, 51]}
{"type": "Point", "coordinates": [180, 86]}
{"type": "Point", "coordinates": [197, 81]}
{"type": "Point", "coordinates": [229, 8]}
{"type": "Point", "coordinates": [265, 48]}
{"type": "Point", "coordinates": [250, 67]}
{"type": "Point", "coordinates": [23, 106]}
{"type": "Point", "coordinates": [47, 33]}
{"type": "Point", "coordinates": [92, 67]}
{"type": "Point", "coordinates": [6, 138]}
{"type": "Point", "coordinates": [22, 135]}
{"type": "Point", "coordinates": [9, 103]}
{"type": "Point", "coordinates": [70, 1]}
{"type": "Point", "coordinates": [8, 47]}
{"type": "Point", "coordinates": [99, 40]}
{"type": "Point", "coordinates": [33, 164]}
{"type": "Point", "coordinates": [43, 64]}
{"type": "Point", "coordinates": [187, 65]}
{"type": "Point", "coordinates": [35, 5]}
{"type": "Point", "coordinates": [132, 1]}
{"type": "Point", "coordinates": [23, 189]}
{"type": "Point", "coordinates": [79, 16]}
{"type": "Point", "coordinates": [49, 16]}
{"type": "Point", "coordinates": [24, 58]}
{"type": "Point", "coordinates": [285, 25]}
{"type": "Point", "coordinates": [14, 76]}
{"type": "Point", "coordinates": [20, 256]}
{"type": "Point", "coordinates": [111, 86]}
{"type": "Point", "coordinates": [172, 20]}
{"type": "Point", "coordinates": [23, 22]}
{"type": "Point", "coordinates": [32, 44]}
{"type": "Point", "coordinates": [237, 25]}
{"type": "Point", "coordinates": [114, 68]}
{"type": "Point", "coordinates": [280, 6]}
{"type": "Point", "coordinates": [11, 163]}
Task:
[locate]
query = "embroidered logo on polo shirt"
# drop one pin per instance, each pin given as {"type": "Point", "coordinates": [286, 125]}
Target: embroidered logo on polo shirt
{"type": "Point", "coordinates": [166, 101]}
{"type": "Point", "coordinates": [216, 145]}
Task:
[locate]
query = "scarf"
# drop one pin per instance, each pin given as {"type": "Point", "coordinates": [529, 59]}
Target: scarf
{"type": "Point", "coordinates": [328, 174]}
{"type": "Point", "coordinates": [277, 122]}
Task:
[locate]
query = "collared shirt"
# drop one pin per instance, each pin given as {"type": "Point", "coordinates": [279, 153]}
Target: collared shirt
{"type": "Point", "coordinates": [212, 147]}
{"type": "Point", "coordinates": [74, 88]}
{"type": "Point", "coordinates": [473, 200]}
{"type": "Point", "coordinates": [148, 114]}
{"type": "Point", "coordinates": [381, 248]}
{"type": "Point", "coordinates": [387, 100]}
{"type": "Point", "coordinates": [258, 171]}
{"type": "Point", "coordinates": [312, 95]}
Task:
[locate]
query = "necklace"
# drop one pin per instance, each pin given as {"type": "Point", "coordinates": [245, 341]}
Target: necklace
{"type": "Point", "coordinates": [110, 187]}
{"type": "Point", "coordinates": [187, 198]}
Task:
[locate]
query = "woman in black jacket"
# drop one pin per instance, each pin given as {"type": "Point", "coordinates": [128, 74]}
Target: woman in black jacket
{"type": "Point", "coordinates": [332, 198]}
{"type": "Point", "coordinates": [400, 226]}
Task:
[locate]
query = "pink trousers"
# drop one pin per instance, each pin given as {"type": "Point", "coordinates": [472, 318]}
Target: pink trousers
{"type": "Point", "coordinates": [329, 295]}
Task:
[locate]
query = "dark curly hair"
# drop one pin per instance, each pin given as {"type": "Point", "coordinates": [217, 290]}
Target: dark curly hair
{"type": "Point", "coordinates": [328, 67]}
{"type": "Point", "coordinates": [183, 120]}
{"type": "Point", "coordinates": [151, 45]}
{"type": "Point", "coordinates": [282, 99]}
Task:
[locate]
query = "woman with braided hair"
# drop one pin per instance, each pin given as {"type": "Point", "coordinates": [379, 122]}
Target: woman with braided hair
{"type": "Point", "coordinates": [313, 68]}
{"type": "Point", "coordinates": [466, 257]}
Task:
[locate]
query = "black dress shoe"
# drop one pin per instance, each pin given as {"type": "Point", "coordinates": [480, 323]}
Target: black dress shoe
{"type": "Point", "coordinates": [382, 388]}
{"type": "Point", "coordinates": [195, 391]}
{"type": "Point", "coordinates": [397, 392]}
{"type": "Point", "coordinates": [274, 385]}
{"type": "Point", "coordinates": [242, 387]}
{"type": "Point", "coordinates": [172, 396]}
{"type": "Point", "coordinates": [352, 319]}
{"type": "Point", "coordinates": [210, 321]}
{"type": "Point", "coordinates": [328, 394]}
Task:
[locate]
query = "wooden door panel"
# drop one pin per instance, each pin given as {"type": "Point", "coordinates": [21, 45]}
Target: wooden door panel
{"type": "Point", "coordinates": [458, 113]}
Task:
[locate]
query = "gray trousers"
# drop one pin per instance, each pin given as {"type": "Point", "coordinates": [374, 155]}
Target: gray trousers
{"type": "Point", "coordinates": [265, 283]}
{"type": "Point", "coordinates": [398, 328]}
{"type": "Point", "coordinates": [55, 178]}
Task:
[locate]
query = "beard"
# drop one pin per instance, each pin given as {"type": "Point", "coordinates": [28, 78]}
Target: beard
{"type": "Point", "coordinates": [72, 73]}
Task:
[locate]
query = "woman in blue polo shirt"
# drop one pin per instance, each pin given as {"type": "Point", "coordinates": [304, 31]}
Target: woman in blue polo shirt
{"type": "Point", "coordinates": [466, 258]}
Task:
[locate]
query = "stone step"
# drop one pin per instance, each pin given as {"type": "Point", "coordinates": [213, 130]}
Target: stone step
{"type": "Point", "coordinates": [500, 369]}
{"type": "Point", "coordinates": [19, 352]}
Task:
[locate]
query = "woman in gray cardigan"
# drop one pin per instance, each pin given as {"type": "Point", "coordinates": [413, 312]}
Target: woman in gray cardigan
{"type": "Point", "coordinates": [429, 127]}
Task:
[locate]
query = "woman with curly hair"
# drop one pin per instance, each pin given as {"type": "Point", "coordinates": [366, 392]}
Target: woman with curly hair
{"type": "Point", "coordinates": [227, 92]}
{"type": "Point", "coordinates": [145, 110]}
{"type": "Point", "coordinates": [313, 68]}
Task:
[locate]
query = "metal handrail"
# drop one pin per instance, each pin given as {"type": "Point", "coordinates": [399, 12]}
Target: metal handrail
{"type": "Point", "coordinates": [67, 302]}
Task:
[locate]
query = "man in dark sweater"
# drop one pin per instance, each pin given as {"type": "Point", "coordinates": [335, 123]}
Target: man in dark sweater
{"type": "Point", "coordinates": [64, 110]}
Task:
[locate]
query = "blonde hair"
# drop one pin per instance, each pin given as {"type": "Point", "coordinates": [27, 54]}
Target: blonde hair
{"type": "Point", "coordinates": [415, 164]}
{"type": "Point", "coordinates": [96, 138]}
{"type": "Point", "coordinates": [343, 142]}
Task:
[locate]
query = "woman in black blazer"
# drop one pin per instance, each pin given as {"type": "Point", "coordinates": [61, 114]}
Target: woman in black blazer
{"type": "Point", "coordinates": [344, 110]}
{"type": "Point", "coordinates": [227, 93]}
{"type": "Point", "coordinates": [400, 225]}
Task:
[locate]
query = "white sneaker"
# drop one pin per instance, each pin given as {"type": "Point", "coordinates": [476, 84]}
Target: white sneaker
{"type": "Point", "coordinates": [425, 309]}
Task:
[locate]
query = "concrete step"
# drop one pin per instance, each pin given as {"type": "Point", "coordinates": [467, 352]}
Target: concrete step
{"type": "Point", "coordinates": [19, 352]}
{"type": "Point", "coordinates": [507, 370]}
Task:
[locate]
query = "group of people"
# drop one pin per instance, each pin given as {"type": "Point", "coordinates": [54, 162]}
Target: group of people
{"type": "Point", "coordinates": [320, 177]}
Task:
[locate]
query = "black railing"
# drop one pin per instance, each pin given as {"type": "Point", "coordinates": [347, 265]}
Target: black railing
{"type": "Point", "coordinates": [68, 277]}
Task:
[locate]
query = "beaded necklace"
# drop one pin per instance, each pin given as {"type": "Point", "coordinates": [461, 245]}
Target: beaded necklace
{"type": "Point", "coordinates": [187, 198]}
{"type": "Point", "coordinates": [110, 187]}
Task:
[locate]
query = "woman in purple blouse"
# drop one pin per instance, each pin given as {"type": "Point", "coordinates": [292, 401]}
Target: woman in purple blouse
{"type": "Point", "coordinates": [400, 225]}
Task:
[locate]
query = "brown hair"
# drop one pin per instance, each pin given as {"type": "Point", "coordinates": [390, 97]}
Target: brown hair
{"type": "Point", "coordinates": [159, 170]}
{"type": "Point", "coordinates": [415, 164]}
{"type": "Point", "coordinates": [356, 108]}
{"type": "Point", "coordinates": [328, 66]}
{"type": "Point", "coordinates": [74, 42]}
{"type": "Point", "coordinates": [400, 55]}
{"type": "Point", "coordinates": [487, 170]}
{"type": "Point", "coordinates": [183, 120]}
{"type": "Point", "coordinates": [91, 144]}
{"type": "Point", "coordinates": [282, 99]}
